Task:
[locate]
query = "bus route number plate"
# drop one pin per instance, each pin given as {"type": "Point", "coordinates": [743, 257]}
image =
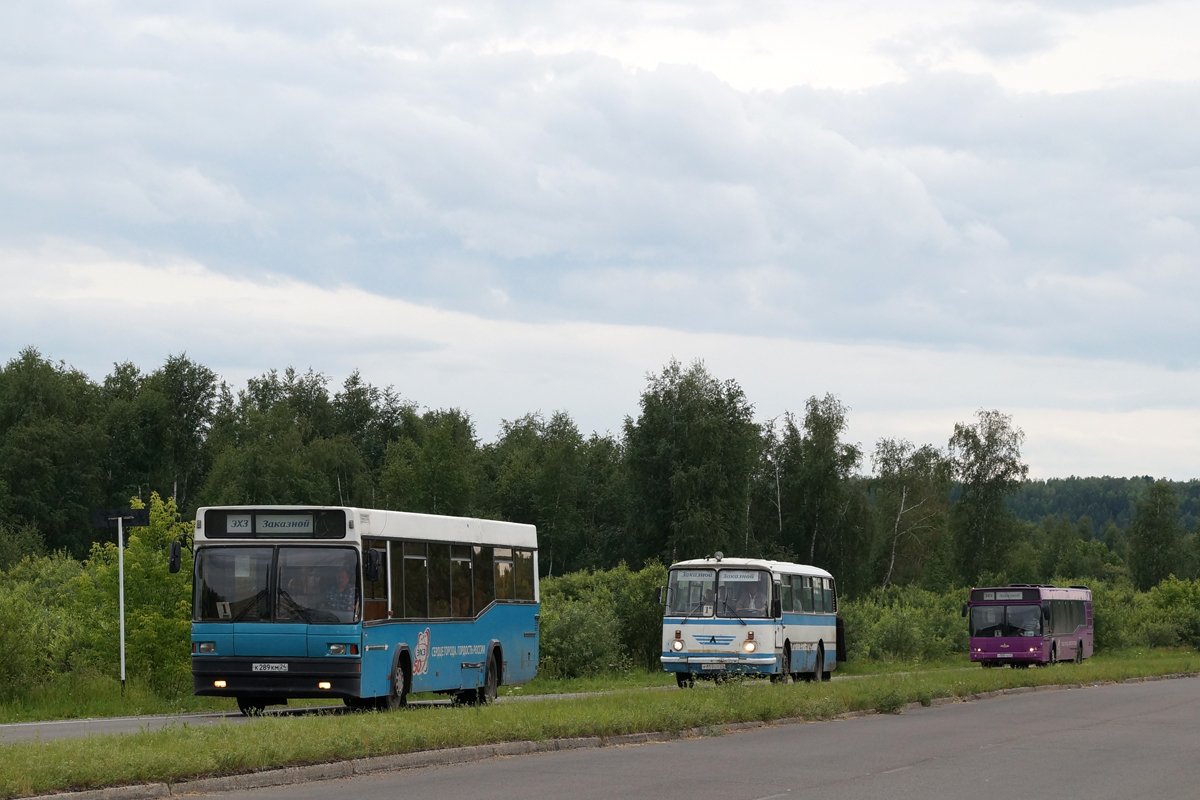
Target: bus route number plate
{"type": "Point", "coordinates": [268, 667]}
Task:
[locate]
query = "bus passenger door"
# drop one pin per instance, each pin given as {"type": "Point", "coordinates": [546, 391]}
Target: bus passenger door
{"type": "Point", "coordinates": [777, 613]}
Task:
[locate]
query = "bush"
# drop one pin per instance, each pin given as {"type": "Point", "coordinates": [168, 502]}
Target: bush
{"type": "Point", "coordinates": [905, 624]}
{"type": "Point", "coordinates": [581, 636]}
{"type": "Point", "coordinates": [630, 594]}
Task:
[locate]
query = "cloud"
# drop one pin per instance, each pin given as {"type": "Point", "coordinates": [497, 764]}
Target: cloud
{"type": "Point", "coordinates": [1081, 416]}
{"type": "Point", "coordinates": [1005, 180]}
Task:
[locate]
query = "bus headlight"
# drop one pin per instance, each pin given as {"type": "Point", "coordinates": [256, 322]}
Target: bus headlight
{"type": "Point", "coordinates": [337, 649]}
{"type": "Point", "coordinates": [206, 647]}
{"type": "Point", "coordinates": [749, 647]}
{"type": "Point", "coordinates": [677, 645]}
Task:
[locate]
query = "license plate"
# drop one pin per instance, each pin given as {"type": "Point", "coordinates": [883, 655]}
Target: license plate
{"type": "Point", "coordinates": [1003, 655]}
{"type": "Point", "coordinates": [712, 666]}
{"type": "Point", "coordinates": [268, 667]}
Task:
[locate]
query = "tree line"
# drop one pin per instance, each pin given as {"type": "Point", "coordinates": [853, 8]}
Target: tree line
{"type": "Point", "coordinates": [690, 473]}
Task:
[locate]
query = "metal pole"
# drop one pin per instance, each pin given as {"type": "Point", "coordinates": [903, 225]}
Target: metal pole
{"type": "Point", "coordinates": [121, 579]}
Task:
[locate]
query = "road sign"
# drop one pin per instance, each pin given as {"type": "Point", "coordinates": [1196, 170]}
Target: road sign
{"type": "Point", "coordinates": [130, 518]}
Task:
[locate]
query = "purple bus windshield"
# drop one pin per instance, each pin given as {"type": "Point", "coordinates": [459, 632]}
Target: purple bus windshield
{"type": "Point", "coordinates": [1007, 620]}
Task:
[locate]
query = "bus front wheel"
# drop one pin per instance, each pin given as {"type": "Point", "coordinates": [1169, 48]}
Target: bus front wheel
{"type": "Point", "coordinates": [398, 696]}
{"type": "Point", "coordinates": [1079, 653]}
{"type": "Point", "coordinates": [819, 673]}
{"type": "Point", "coordinates": [251, 706]}
{"type": "Point", "coordinates": [685, 680]}
{"type": "Point", "coordinates": [785, 668]}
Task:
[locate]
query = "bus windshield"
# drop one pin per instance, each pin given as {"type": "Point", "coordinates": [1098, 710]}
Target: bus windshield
{"type": "Point", "coordinates": [743, 593]}
{"type": "Point", "coordinates": [1023, 620]}
{"type": "Point", "coordinates": [692, 592]}
{"type": "Point", "coordinates": [312, 584]}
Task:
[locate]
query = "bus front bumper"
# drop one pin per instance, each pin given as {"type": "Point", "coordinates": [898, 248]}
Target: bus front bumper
{"type": "Point", "coordinates": [276, 677]}
{"type": "Point", "coordinates": [715, 665]}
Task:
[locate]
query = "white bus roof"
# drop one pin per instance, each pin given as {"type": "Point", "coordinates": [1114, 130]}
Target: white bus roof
{"type": "Point", "coordinates": [375, 523]}
{"type": "Point", "coordinates": [784, 567]}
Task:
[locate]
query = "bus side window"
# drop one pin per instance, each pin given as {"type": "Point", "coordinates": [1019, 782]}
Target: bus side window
{"type": "Point", "coordinates": [439, 580]}
{"type": "Point", "coordinates": [785, 594]}
{"type": "Point", "coordinates": [460, 581]}
{"type": "Point", "coordinates": [523, 564]}
{"type": "Point", "coordinates": [485, 578]}
{"type": "Point", "coordinates": [416, 581]}
{"type": "Point", "coordinates": [397, 552]}
{"type": "Point", "coordinates": [375, 592]}
{"type": "Point", "coordinates": [830, 596]}
{"type": "Point", "coordinates": [505, 589]}
{"type": "Point", "coordinates": [806, 594]}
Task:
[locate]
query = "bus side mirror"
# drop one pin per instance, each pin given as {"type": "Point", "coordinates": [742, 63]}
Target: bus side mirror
{"type": "Point", "coordinates": [964, 609]}
{"type": "Point", "coordinates": [176, 557]}
{"type": "Point", "coordinates": [374, 565]}
{"type": "Point", "coordinates": [658, 595]}
{"type": "Point", "coordinates": [777, 608]}
{"type": "Point", "coordinates": [1046, 613]}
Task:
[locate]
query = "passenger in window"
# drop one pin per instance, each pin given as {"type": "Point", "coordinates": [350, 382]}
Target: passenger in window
{"type": "Point", "coordinates": [341, 599]}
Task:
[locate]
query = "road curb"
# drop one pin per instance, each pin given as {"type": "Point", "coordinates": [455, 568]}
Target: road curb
{"type": "Point", "coordinates": [286, 776]}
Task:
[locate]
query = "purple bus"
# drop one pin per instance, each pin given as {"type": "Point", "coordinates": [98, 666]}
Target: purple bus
{"type": "Point", "coordinates": [1022, 624]}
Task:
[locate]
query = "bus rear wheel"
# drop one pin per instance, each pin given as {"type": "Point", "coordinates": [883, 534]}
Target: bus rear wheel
{"type": "Point", "coordinates": [491, 683]}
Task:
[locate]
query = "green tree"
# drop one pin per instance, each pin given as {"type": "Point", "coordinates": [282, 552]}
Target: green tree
{"type": "Point", "coordinates": [438, 473]}
{"type": "Point", "coordinates": [690, 456]}
{"type": "Point", "coordinates": [912, 493]}
{"type": "Point", "coordinates": [986, 461]}
{"type": "Point", "coordinates": [1155, 539]}
{"type": "Point", "coordinates": [52, 448]}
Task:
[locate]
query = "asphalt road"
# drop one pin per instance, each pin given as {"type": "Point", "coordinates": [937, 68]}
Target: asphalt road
{"type": "Point", "coordinates": [1127, 741]}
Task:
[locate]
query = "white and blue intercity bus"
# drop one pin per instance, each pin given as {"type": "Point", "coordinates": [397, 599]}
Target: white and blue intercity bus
{"type": "Point", "coordinates": [750, 616]}
{"type": "Point", "coordinates": [359, 604]}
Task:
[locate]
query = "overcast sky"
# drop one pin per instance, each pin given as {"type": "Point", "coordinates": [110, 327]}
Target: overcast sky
{"type": "Point", "coordinates": [925, 208]}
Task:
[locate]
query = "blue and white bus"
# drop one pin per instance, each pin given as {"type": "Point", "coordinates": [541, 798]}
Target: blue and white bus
{"type": "Point", "coordinates": [750, 616]}
{"type": "Point", "coordinates": [365, 605]}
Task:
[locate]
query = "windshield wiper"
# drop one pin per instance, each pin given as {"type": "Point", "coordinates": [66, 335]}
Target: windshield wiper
{"type": "Point", "coordinates": [299, 609]}
{"type": "Point", "coordinates": [735, 613]}
{"type": "Point", "coordinates": [253, 604]}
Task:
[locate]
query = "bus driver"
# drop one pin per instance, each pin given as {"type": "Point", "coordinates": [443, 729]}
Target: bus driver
{"type": "Point", "coordinates": [753, 604]}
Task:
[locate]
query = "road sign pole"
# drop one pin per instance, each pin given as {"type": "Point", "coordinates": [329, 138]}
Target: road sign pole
{"type": "Point", "coordinates": [121, 580]}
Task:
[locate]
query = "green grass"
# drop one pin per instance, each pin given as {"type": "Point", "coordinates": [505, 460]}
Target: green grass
{"type": "Point", "coordinates": [88, 695]}
{"type": "Point", "coordinates": [635, 679]}
{"type": "Point", "coordinates": [183, 752]}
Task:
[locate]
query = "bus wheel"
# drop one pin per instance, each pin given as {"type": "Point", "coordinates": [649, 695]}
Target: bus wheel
{"type": "Point", "coordinates": [487, 692]}
{"type": "Point", "coordinates": [685, 680]}
{"type": "Point", "coordinates": [1079, 653]}
{"type": "Point", "coordinates": [251, 706]}
{"type": "Point", "coordinates": [1054, 653]}
{"type": "Point", "coordinates": [785, 668]}
{"type": "Point", "coordinates": [398, 696]}
{"type": "Point", "coordinates": [819, 673]}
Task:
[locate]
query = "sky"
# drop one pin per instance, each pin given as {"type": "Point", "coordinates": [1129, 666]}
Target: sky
{"type": "Point", "coordinates": [924, 208]}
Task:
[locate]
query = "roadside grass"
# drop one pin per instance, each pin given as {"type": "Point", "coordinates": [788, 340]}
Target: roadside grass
{"type": "Point", "coordinates": [80, 695]}
{"type": "Point", "coordinates": [634, 679]}
{"type": "Point", "coordinates": [87, 695]}
{"type": "Point", "coordinates": [181, 752]}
